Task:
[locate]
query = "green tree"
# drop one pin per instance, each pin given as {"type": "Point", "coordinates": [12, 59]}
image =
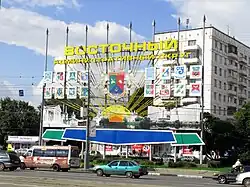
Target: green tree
{"type": "Point", "coordinates": [17, 118]}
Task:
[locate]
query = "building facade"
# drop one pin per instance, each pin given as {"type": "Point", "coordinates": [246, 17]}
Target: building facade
{"type": "Point", "coordinates": [226, 75]}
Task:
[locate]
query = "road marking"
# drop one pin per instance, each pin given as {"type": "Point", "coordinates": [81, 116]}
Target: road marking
{"type": "Point", "coordinates": [191, 176]}
{"type": "Point", "coordinates": [25, 185]}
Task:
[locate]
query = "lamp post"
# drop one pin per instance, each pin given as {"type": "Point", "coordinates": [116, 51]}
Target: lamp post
{"type": "Point", "coordinates": [44, 86]}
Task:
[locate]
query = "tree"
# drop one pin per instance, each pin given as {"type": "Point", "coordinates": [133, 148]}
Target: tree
{"type": "Point", "coordinates": [17, 118]}
{"type": "Point", "coordinates": [145, 123]}
{"type": "Point", "coordinates": [218, 134]}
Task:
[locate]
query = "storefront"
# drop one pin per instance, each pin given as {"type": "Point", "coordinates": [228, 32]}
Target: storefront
{"type": "Point", "coordinates": [22, 142]}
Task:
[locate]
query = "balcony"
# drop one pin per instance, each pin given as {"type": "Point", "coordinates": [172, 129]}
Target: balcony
{"type": "Point", "coordinates": [232, 67]}
{"type": "Point", "coordinates": [191, 48]}
{"type": "Point", "coordinates": [242, 59]}
{"type": "Point", "coordinates": [232, 92]}
{"type": "Point", "coordinates": [242, 95]}
{"type": "Point", "coordinates": [194, 60]}
{"type": "Point", "coordinates": [243, 83]}
{"type": "Point", "coordinates": [231, 79]}
{"type": "Point", "coordinates": [243, 71]}
{"type": "Point", "coordinates": [232, 55]}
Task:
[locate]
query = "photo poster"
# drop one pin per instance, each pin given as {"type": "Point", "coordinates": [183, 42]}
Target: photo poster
{"type": "Point", "coordinates": [48, 77]}
{"type": "Point", "coordinates": [165, 73]}
{"type": "Point", "coordinates": [59, 93]}
{"type": "Point", "coordinates": [83, 92]}
{"type": "Point", "coordinates": [195, 89]}
{"type": "Point", "coordinates": [179, 90]}
{"type": "Point", "coordinates": [150, 74]}
{"type": "Point", "coordinates": [48, 92]}
{"type": "Point", "coordinates": [165, 90]}
{"type": "Point", "coordinates": [72, 93]}
{"type": "Point", "coordinates": [195, 72]}
{"type": "Point", "coordinates": [83, 76]}
{"type": "Point", "coordinates": [149, 90]}
{"type": "Point", "coordinates": [180, 72]}
{"type": "Point", "coordinates": [59, 77]}
{"type": "Point", "coordinates": [72, 76]}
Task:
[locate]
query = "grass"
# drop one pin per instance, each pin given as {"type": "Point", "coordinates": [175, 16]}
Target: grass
{"type": "Point", "coordinates": [225, 169]}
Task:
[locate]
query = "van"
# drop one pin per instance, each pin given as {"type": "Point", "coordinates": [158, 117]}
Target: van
{"type": "Point", "coordinates": [59, 158]}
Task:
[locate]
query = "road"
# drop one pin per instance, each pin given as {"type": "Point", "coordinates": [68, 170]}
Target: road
{"type": "Point", "coordinates": [29, 178]}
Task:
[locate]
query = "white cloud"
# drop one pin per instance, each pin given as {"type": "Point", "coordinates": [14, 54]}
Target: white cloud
{"type": "Point", "coordinates": [219, 13]}
{"type": "Point", "coordinates": [45, 3]}
{"type": "Point", "coordinates": [27, 29]}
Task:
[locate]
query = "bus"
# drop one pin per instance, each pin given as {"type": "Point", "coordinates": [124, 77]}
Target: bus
{"type": "Point", "coordinates": [59, 158]}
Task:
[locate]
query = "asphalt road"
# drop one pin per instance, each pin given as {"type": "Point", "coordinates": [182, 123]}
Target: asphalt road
{"type": "Point", "coordinates": [29, 178]}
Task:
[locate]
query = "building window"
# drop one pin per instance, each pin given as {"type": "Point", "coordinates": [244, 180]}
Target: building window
{"type": "Point", "coordinates": [214, 109]}
{"type": "Point", "coordinates": [224, 98]}
{"type": "Point", "coordinates": [220, 97]}
{"type": "Point", "coordinates": [221, 59]}
{"type": "Point", "coordinates": [215, 44]}
{"type": "Point", "coordinates": [225, 86]}
{"type": "Point", "coordinates": [220, 85]}
{"type": "Point", "coordinates": [220, 72]}
{"type": "Point", "coordinates": [219, 110]}
{"type": "Point", "coordinates": [221, 46]}
{"type": "Point", "coordinates": [191, 42]}
{"type": "Point", "coordinates": [215, 69]}
{"type": "Point", "coordinates": [225, 73]}
{"type": "Point", "coordinates": [235, 89]}
{"type": "Point", "coordinates": [215, 83]}
{"type": "Point", "coordinates": [225, 49]}
{"type": "Point", "coordinates": [215, 57]}
{"type": "Point", "coordinates": [224, 113]}
{"type": "Point", "coordinates": [215, 95]}
{"type": "Point", "coordinates": [248, 94]}
{"type": "Point", "coordinates": [225, 61]}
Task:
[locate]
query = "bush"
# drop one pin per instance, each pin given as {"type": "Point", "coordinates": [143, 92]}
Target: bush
{"type": "Point", "coordinates": [214, 163]}
{"type": "Point", "coordinates": [181, 164]}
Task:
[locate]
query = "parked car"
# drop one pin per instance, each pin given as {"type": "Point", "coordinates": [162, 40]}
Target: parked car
{"type": "Point", "coordinates": [128, 168]}
{"type": "Point", "coordinates": [230, 176]}
{"type": "Point", "coordinates": [9, 161]}
{"type": "Point", "coordinates": [243, 179]}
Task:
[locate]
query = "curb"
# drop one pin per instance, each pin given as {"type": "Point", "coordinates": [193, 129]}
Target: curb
{"type": "Point", "coordinates": [183, 176]}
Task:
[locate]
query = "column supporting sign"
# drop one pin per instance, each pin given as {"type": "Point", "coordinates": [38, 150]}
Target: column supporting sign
{"type": "Point", "coordinates": [92, 129]}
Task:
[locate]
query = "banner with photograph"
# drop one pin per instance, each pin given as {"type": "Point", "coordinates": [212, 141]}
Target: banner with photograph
{"type": "Point", "coordinates": [59, 93]}
{"type": "Point", "coordinates": [48, 77]}
{"type": "Point", "coordinates": [72, 76]}
{"type": "Point", "coordinates": [72, 93]}
{"type": "Point", "coordinates": [59, 77]}
{"type": "Point", "coordinates": [48, 91]}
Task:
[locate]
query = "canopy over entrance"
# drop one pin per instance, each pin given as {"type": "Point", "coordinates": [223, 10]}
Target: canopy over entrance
{"type": "Point", "coordinates": [185, 139]}
{"type": "Point", "coordinates": [121, 136]}
{"type": "Point", "coordinates": [53, 135]}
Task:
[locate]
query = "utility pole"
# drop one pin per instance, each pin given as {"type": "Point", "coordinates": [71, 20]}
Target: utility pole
{"type": "Point", "coordinates": [44, 86]}
{"type": "Point", "coordinates": [86, 157]}
{"type": "Point", "coordinates": [202, 90]}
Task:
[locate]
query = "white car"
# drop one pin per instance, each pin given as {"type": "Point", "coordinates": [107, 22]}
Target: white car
{"type": "Point", "coordinates": [243, 178]}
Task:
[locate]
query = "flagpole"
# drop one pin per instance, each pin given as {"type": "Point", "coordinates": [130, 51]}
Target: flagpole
{"type": "Point", "coordinates": [44, 86]}
{"type": "Point", "coordinates": [129, 63]}
{"type": "Point", "coordinates": [202, 91]}
{"type": "Point", "coordinates": [107, 55]}
{"type": "Point", "coordinates": [86, 157]}
{"type": "Point", "coordinates": [65, 74]}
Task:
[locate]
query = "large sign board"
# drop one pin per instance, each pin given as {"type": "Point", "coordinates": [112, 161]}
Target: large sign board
{"type": "Point", "coordinates": [117, 48]}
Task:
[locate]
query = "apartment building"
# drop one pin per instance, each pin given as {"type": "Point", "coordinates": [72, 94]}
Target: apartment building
{"type": "Point", "coordinates": [226, 75]}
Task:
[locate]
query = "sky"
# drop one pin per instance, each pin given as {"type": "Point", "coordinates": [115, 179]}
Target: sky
{"type": "Point", "coordinates": [24, 23]}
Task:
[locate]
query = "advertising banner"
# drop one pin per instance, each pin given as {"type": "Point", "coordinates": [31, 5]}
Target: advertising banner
{"type": "Point", "coordinates": [165, 73]}
{"type": "Point", "coordinates": [59, 93]}
{"type": "Point", "coordinates": [72, 93]}
{"type": "Point", "coordinates": [165, 90]}
{"type": "Point", "coordinates": [180, 72]}
{"type": "Point", "coordinates": [195, 89]}
{"type": "Point", "coordinates": [72, 76]}
{"type": "Point", "coordinates": [83, 92]}
{"type": "Point", "coordinates": [149, 90]}
{"type": "Point", "coordinates": [180, 90]}
{"type": "Point", "coordinates": [59, 77]}
{"type": "Point", "coordinates": [48, 92]}
{"type": "Point", "coordinates": [195, 72]}
{"type": "Point", "coordinates": [150, 74]}
{"type": "Point", "coordinates": [48, 77]}
{"type": "Point", "coordinates": [83, 76]}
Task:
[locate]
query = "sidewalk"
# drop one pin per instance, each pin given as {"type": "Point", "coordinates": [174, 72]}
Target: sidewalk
{"type": "Point", "coordinates": [177, 172]}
